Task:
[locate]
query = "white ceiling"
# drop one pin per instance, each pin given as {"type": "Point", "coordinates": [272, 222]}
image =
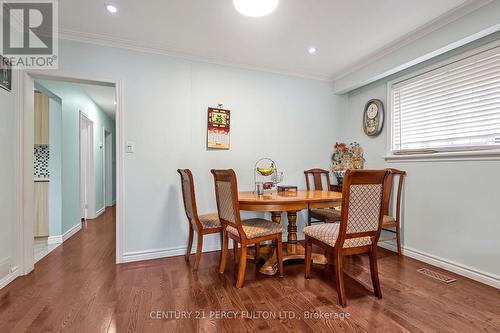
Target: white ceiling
{"type": "Point", "coordinates": [345, 32]}
{"type": "Point", "coordinates": [102, 94]}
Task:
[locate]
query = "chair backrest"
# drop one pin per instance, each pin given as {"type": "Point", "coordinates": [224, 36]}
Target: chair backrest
{"type": "Point", "coordinates": [188, 197]}
{"type": "Point", "coordinates": [226, 194]}
{"type": "Point", "coordinates": [363, 196]}
{"type": "Point", "coordinates": [317, 175]}
{"type": "Point", "coordinates": [391, 175]}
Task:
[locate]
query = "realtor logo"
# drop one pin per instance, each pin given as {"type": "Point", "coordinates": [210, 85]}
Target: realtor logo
{"type": "Point", "coordinates": [29, 33]}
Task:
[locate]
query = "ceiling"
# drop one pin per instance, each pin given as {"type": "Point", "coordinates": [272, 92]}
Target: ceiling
{"type": "Point", "coordinates": [346, 33]}
{"type": "Point", "coordinates": [102, 95]}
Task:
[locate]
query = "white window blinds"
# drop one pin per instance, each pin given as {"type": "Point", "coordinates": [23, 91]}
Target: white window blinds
{"type": "Point", "coordinates": [454, 107]}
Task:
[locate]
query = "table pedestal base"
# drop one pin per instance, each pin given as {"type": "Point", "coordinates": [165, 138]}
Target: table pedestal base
{"type": "Point", "coordinates": [290, 252]}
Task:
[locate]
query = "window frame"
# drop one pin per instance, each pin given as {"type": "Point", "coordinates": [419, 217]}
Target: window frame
{"type": "Point", "coordinates": [468, 153]}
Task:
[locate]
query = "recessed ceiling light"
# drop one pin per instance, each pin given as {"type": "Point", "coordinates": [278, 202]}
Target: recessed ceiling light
{"type": "Point", "coordinates": [255, 8]}
{"type": "Point", "coordinates": [312, 50]}
{"type": "Point", "coordinates": [115, 102]}
{"type": "Point", "coordinates": [111, 9]}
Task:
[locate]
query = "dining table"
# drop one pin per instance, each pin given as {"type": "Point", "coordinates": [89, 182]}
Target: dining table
{"type": "Point", "coordinates": [291, 203]}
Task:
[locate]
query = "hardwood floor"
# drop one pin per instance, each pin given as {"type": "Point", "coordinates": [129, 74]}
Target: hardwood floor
{"type": "Point", "coordinates": [78, 288]}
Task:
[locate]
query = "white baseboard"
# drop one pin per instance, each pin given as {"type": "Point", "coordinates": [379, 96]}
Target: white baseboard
{"type": "Point", "coordinates": [58, 239]}
{"type": "Point", "coordinates": [99, 212]}
{"type": "Point", "coordinates": [14, 273]}
{"type": "Point", "coordinates": [173, 252]}
{"type": "Point", "coordinates": [164, 253]}
{"type": "Point", "coordinates": [452, 266]}
{"type": "Point", "coordinates": [71, 231]}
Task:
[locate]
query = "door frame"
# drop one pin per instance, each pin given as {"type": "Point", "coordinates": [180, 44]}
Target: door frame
{"type": "Point", "coordinates": [89, 211]}
{"type": "Point", "coordinates": [107, 157]}
{"type": "Point", "coordinates": [23, 87]}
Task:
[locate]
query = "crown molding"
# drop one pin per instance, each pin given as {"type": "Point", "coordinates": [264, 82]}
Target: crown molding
{"type": "Point", "coordinates": [133, 45]}
{"type": "Point", "coordinates": [466, 8]}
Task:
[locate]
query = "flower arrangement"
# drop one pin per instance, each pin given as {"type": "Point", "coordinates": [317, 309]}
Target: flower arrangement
{"type": "Point", "coordinates": [346, 157]}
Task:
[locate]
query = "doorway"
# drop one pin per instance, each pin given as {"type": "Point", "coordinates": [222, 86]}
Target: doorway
{"type": "Point", "coordinates": [70, 221]}
{"type": "Point", "coordinates": [87, 198]}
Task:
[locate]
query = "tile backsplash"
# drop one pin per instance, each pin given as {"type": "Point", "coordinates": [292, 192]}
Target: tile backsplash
{"type": "Point", "coordinates": [42, 161]}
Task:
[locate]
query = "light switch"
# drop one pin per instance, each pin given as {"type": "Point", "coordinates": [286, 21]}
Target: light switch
{"type": "Point", "coordinates": [129, 146]}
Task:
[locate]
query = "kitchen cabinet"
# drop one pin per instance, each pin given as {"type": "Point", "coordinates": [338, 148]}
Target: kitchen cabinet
{"type": "Point", "coordinates": [41, 227]}
{"type": "Point", "coordinates": [41, 119]}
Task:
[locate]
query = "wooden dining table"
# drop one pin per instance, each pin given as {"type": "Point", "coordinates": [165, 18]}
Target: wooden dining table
{"type": "Point", "coordinates": [276, 204]}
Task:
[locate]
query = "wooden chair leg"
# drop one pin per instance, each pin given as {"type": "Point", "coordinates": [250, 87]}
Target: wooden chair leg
{"type": "Point", "coordinates": [224, 250]}
{"type": "Point", "coordinates": [243, 266]}
{"type": "Point", "coordinates": [308, 253]}
{"type": "Point", "coordinates": [398, 238]}
{"type": "Point", "coordinates": [257, 254]}
{"type": "Point", "coordinates": [199, 249]}
{"type": "Point", "coordinates": [190, 242]}
{"type": "Point", "coordinates": [279, 254]}
{"type": "Point", "coordinates": [374, 273]}
{"type": "Point", "coordinates": [339, 277]}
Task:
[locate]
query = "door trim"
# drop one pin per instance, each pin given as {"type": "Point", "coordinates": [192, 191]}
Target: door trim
{"type": "Point", "coordinates": [107, 136]}
{"type": "Point", "coordinates": [24, 86]}
{"type": "Point", "coordinates": [89, 212]}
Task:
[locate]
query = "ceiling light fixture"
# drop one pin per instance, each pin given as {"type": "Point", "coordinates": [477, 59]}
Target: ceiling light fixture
{"type": "Point", "coordinates": [112, 9]}
{"type": "Point", "coordinates": [255, 8]}
{"type": "Point", "coordinates": [312, 50]}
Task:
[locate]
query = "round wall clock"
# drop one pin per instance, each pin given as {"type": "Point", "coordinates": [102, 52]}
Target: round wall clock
{"type": "Point", "coordinates": [373, 117]}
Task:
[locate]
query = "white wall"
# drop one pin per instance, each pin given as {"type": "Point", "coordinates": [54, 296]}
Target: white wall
{"type": "Point", "coordinates": [8, 190]}
{"type": "Point", "coordinates": [289, 119]}
{"type": "Point", "coordinates": [451, 209]}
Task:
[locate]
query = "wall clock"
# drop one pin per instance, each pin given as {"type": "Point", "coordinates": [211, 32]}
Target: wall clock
{"type": "Point", "coordinates": [373, 117]}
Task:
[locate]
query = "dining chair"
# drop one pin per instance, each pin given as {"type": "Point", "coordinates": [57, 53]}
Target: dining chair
{"type": "Point", "coordinates": [392, 223]}
{"type": "Point", "coordinates": [327, 215]}
{"type": "Point", "coordinates": [363, 195]}
{"type": "Point", "coordinates": [246, 232]}
{"type": "Point", "coordinates": [203, 224]}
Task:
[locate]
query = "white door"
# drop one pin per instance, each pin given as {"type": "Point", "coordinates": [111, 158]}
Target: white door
{"type": "Point", "coordinates": [108, 168]}
{"type": "Point", "coordinates": [86, 166]}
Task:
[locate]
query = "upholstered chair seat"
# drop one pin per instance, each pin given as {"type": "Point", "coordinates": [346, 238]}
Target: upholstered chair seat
{"type": "Point", "coordinates": [328, 215]}
{"type": "Point", "coordinates": [254, 228]}
{"type": "Point", "coordinates": [210, 220]}
{"type": "Point", "coordinates": [329, 232]}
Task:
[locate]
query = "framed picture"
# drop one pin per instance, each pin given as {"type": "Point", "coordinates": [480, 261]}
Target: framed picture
{"type": "Point", "coordinates": [219, 121]}
{"type": "Point", "coordinates": [5, 74]}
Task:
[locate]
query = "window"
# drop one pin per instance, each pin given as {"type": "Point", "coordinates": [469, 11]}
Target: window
{"type": "Point", "coordinates": [455, 107]}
